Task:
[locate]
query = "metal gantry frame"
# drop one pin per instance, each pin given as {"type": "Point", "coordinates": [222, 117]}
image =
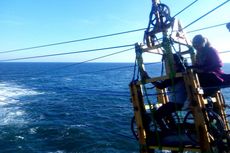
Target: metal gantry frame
{"type": "Point", "coordinates": [197, 107]}
{"type": "Point", "coordinates": [206, 140]}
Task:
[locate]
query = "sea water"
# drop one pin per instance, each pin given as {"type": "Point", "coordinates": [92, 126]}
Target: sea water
{"type": "Point", "coordinates": [68, 107]}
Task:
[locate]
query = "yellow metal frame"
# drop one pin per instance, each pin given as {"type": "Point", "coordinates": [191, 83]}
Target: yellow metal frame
{"type": "Point", "coordinates": [193, 88]}
{"type": "Point", "coordinates": [195, 97]}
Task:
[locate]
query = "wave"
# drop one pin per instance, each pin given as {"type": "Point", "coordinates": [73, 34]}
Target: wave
{"type": "Point", "coordinates": [10, 99]}
{"type": "Point", "coordinates": [11, 93]}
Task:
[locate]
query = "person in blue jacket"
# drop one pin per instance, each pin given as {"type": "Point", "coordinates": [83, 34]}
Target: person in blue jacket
{"type": "Point", "coordinates": [177, 95]}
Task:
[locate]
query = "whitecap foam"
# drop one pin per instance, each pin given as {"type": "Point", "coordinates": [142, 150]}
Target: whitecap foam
{"type": "Point", "coordinates": [12, 116]}
{"type": "Point", "coordinates": [33, 130]}
{"type": "Point", "coordinates": [10, 95]}
{"type": "Point", "coordinates": [19, 137]}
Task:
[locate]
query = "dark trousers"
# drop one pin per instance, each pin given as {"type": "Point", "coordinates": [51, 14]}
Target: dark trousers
{"type": "Point", "coordinates": [210, 82]}
{"type": "Point", "coordinates": [165, 112]}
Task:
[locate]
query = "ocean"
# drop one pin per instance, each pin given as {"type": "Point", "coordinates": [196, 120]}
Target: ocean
{"type": "Point", "coordinates": [68, 107]}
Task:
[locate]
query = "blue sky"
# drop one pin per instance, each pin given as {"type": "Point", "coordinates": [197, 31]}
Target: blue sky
{"type": "Point", "coordinates": [28, 23]}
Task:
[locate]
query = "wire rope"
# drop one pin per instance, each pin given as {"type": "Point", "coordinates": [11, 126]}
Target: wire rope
{"type": "Point", "coordinates": [75, 64]}
{"type": "Point", "coordinates": [71, 41]}
{"type": "Point", "coordinates": [185, 8]}
{"type": "Point", "coordinates": [66, 53]}
{"type": "Point", "coordinates": [101, 36]}
{"type": "Point", "coordinates": [213, 26]}
{"type": "Point", "coordinates": [206, 14]}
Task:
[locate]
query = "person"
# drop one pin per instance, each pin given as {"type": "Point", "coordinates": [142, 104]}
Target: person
{"type": "Point", "coordinates": [177, 95]}
{"type": "Point", "coordinates": [208, 65]}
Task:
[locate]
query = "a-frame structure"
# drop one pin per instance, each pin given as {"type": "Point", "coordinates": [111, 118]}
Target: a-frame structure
{"type": "Point", "coordinates": [201, 128]}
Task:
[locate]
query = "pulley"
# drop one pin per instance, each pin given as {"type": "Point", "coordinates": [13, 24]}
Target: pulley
{"type": "Point", "coordinates": [159, 21]}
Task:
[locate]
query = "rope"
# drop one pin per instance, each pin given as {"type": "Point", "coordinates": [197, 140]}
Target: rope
{"type": "Point", "coordinates": [67, 53]}
{"type": "Point", "coordinates": [89, 38]}
{"type": "Point", "coordinates": [89, 72]}
{"type": "Point", "coordinates": [152, 115]}
{"type": "Point", "coordinates": [167, 43]}
{"type": "Point", "coordinates": [205, 14]}
{"type": "Point", "coordinates": [72, 41]}
{"type": "Point", "coordinates": [117, 68]}
{"type": "Point", "coordinates": [214, 26]}
{"type": "Point", "coordinates": [75, 64]}
{"type": "Point", "coordinates": [185, 8]}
